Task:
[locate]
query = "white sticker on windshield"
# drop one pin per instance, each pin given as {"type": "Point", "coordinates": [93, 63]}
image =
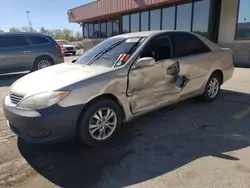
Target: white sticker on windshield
{"type": "Point", "coordinates": [133, 40]}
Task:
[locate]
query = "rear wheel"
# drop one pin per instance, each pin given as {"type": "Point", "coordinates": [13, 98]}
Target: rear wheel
{"type": "Point", "coordinates": [74, 53]}
{"type": "Point", "coordinates": [42, 62]}
{"type": "Point", "coordinates": [99, 122]}
{"type": "Point", "coordinates": [212, 88]}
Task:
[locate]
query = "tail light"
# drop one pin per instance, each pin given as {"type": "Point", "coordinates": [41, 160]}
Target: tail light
{"type": "Point", "coordinates": [60, 47]}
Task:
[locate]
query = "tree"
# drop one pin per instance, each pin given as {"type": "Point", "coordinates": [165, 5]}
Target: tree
{"type": "Point", "coordinates": [46, 31]}
{"type": "Point", "coordinates": [25, 29]}
{"type": "Point", "coordinates": [78, 36]}
{"type": "Point", "coordinates": [42, 30]}
{"type": "Point", "coordinates": [33, 30]}
{"type": "Point", "coordinates": [67, 34]}
{"type": "Point", "coordinates": [14, 29]}
{"type": "Point", "coordinates": [57, 33]}
{"type": "Point", "coordinates": [1, 31]}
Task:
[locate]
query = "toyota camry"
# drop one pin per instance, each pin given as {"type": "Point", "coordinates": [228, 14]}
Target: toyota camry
{"type": "Point", "coordinates": [120, 78]}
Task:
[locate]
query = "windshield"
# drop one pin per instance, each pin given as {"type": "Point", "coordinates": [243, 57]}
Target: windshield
{"type": "Point", "coordinates": [111, 52]}
{"type": "Point", "coordinates": [62, 42]}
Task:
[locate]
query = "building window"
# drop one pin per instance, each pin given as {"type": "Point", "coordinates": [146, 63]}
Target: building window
{"type": "Point", "coordinates": [103, 30]}
{"type": "Point", "coordinates": [134, 23]}
{"type": "Point", "coordinates": [184, 13]}
{"type": "Point", "coordinates": [201, 17]}
{"type": "Point", "coordinates": [144, 21]}
{"type": "Point", "coordinates": [125, 24]}
{"type": "Point", "coordinates": [168, 18]}
{"type": "Point", "coordinates": [109, 29]}
{"type": "Point", "coordinates": [155, 17]}
{"type": "Point", "coordinates": [91, 30]}
{"type": "Point", "coordinates": [96, 30]}
{"type": "Point", "coordinates": [243, 24]}
{"type": "Point", "coordinates": [86, 31]}
{"type": "Point", "coordinates": [115, 27]}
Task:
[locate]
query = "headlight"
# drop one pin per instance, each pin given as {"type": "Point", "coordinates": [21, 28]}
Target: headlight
{"type": "Point", "coordinates": [43, 100]}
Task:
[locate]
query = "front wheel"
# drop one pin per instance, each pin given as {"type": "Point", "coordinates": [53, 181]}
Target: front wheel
{"type": "Point", "coordinates": [99, 122]}
{"type": "Point", "coordinates": [212, 88]}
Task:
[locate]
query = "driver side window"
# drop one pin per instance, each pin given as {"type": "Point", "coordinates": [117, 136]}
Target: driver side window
{"type": "Point", "coordinates": [159, 48]}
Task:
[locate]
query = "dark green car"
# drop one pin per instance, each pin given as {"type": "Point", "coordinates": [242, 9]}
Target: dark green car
{"type": "Point", "coordinates": [28, 52]}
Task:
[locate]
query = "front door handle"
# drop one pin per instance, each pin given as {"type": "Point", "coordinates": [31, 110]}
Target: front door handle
{"type": "Point", "coordinates": [27, 51]}
{"type": "Point", "coordinates": [210, 59]}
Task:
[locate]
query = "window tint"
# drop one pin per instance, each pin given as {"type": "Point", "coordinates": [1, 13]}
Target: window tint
{"type": "Point", "coordinates": [201, 17]}
{"type": "Point", "coordinates": [168, 18]}
{"type": "Point", "coordinates": [38, 40]}
{"type": "Point", "coordinates": [155, 17]}
{"type": "Point", "coordinates": [186, 44]}
{"type": "Point", "coordinates": [184, 17]}
{"type": "Point", "coordinates": [134, 22]}
{"type": "Point", "coordinates": [144, 21]}
{"type": "Point", "coordinates": [159, 48]}
{"type": "Point", "coordinates": [125, 24]}
{"type": "Point", "coordinates": [13, 41]}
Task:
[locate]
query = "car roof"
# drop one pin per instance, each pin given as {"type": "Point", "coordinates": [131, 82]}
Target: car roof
{"type": "Point", "coordinates": [148, 33]}
{"type": "Point", "coordinates": [140, 34]}
{"type": "Point", "coordinates": [22, 33]}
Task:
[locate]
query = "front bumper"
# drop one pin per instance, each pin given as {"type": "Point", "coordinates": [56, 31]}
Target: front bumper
{"type": "Point", "coordinates": [48, 125]}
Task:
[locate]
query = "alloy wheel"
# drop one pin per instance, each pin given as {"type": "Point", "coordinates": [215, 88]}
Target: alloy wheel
{"type": "Point", "coordinates": [43, 64]}
{"type": "Point", "coordinates": [213, 87]}
{"type": "Point", "coordinates": [102, 124]}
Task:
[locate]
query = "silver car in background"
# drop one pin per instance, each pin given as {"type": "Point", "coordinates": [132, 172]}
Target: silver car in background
{"type": "Point", "coordinates": [123, 77]}
{"type": "Point", "coordinates": [68, 48]}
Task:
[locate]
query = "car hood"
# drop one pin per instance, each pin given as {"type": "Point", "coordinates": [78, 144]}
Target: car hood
{"type": "Point", "coordinates": [54, 78]}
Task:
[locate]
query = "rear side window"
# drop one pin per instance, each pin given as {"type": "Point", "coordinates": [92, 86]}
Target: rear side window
{"type": "Point", "coordinates": [13, 41]}
{"type": "Point", "coordinates": [38, 40]}
{"type": "Point", "coordinates": [186, 44]}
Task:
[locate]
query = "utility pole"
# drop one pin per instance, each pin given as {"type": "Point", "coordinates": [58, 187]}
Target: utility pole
{"type": "Point", "coordinates": [28, 19]}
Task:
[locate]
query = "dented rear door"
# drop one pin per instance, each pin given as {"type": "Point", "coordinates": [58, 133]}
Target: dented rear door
{"type": "Point", "coordinates": [195, 60]}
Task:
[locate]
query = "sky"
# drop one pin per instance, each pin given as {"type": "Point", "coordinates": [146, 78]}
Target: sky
{"type": "Point", "coordinates": [50, 14]}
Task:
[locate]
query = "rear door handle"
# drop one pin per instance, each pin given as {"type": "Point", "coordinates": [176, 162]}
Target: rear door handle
{"type": "Point", "coordinates": [27, 51]}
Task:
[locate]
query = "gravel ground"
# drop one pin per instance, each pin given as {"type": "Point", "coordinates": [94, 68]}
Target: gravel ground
{"type": "Point", "coordinates": [191, 144]}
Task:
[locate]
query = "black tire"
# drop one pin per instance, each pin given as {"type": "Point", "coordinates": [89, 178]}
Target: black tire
{"type": "Point", "coordinates": [83, 132]}
{"type": "Point", "coordinates": [206, 96]}
{"type": "Point", "coordinates": [74, 53]}
{"type": "Point", "coordinates": [40, 59]}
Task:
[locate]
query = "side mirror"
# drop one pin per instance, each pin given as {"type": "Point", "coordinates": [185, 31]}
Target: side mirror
{"type": "Point", "coordinates": [145, 62]}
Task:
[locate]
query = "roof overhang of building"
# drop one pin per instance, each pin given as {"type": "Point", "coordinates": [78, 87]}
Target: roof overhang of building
{"type": "Point", "coordinates": [106, 9]}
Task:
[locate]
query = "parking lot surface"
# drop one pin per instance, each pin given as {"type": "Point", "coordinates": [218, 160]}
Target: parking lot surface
{"type": "Point", "coordinates": [190, 144]}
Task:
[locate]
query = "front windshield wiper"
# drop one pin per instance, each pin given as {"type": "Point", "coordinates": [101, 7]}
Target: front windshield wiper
{"type": "Point", "coordinates": [97, 56]}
